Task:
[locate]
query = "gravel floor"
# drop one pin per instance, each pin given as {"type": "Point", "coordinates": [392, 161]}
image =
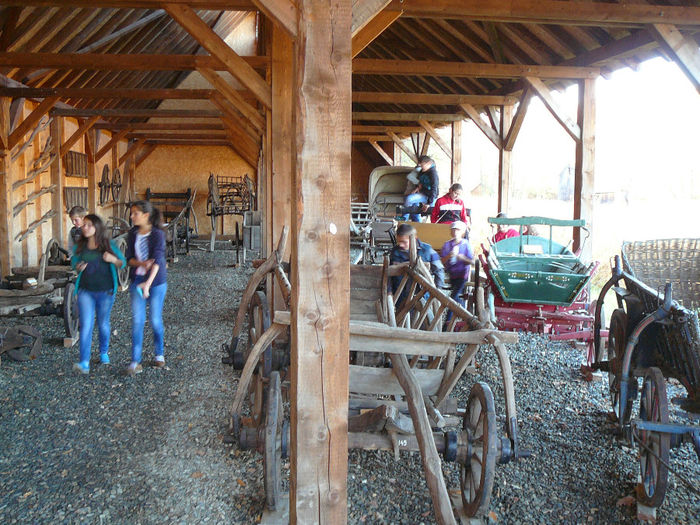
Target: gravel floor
{"type": "Point", "coordinates": [149, 449]}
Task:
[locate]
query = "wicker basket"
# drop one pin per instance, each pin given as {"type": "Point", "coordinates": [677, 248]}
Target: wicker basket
{"type": "Point", "coordinates": [659, 261]}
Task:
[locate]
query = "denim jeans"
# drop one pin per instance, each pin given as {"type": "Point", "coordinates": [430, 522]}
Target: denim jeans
{"type": "Point", "coordinates": [411, 200]}
{"type": "Point", "coordinates": [457, 289]}
{"type": "Point", "coordinates": [138, 311]}
{"type": "Point", "coordinates": [90, 303]}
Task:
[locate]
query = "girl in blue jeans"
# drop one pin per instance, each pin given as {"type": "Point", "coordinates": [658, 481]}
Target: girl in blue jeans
{"type": "Point", "coordinates": [96, 258]}
{"type": "Point", "coordinates": [145, 253]}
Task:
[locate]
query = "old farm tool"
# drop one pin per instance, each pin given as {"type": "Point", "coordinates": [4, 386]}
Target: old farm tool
{"type": "Point", "coordinates": [229, 196]}
{"type": "Point", "coordinates": [403, 370]}
{"type": "Point", "coordinates": [20, 343]}
{"type": "Point", "coordinates": [535, 284]}
{"type": "Point", "coordinates": [654, 335]}
{"type": "Point", "coordinates": [43, 290]}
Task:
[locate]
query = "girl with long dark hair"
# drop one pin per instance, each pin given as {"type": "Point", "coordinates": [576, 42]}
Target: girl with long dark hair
{"type": "Point", "coordinates": [97, 259]}
{"type": "Point", "coordinates": [145, 253]}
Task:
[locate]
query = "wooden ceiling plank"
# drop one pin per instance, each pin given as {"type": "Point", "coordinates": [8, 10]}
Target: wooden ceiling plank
{"type": "Point", "coordinates": [476, 48]}
{"type": "Point", "coordinates": [31, 25]}
{"type": "Point", "coordinates": [119, 62]}
{"type": "Point", "coordinates": [483, 126]}
{"type": "Point", "coordinates": [75, 137]}
{"type": "Point", "coordinates": [494, 41]}
{"type": "Point", "coordinates": [517, 122]}
{"type": "Point", "coordinates": [112, 141]}
{"type": "Point", "coordinates": [234, 97]}
{"type": "Point", "coordinates": [459, 69]}
{"type": "Point", "coordinates": [397, 140]}
{"type": "Point", "coordinates": [363, 11]}
{"type": "Point", "coordinates": [375, 27]}
{"type": "Point", "coordinates": [525, 44]}
{"type": "Point", "coordinates": [145, 127]}
{"type": "Point", "coordinates": [381, 152]}
{"type": "Point", "coordinates": [9, 27]}
{"type": "Point", "coordinates": [684, 51]}
{"type": "Point", "coordinates": [121, 32]}
{"type": "Point", "coordinates": [213, 43]}
{"type": "Point", "coordinates": [581, 36]}
{"type": "Point", "coordinates": [551, 12]}
{"type": "Point", "coordinates": [137, 113]}
{"type": "Point", "coordinates": [430, 130]}
{"type": "Point", "coordinates": [428, 98]}
{"type": "Point", "coordinates": [405, 117]}
{"type": "Point", "coordinates": [98, 93]}
{"type": "Point", "coordinates": [360, 129]}
{"type": "Point", "coordinates": [34, 117]}
{"type": "Point", "coordinates": [555, 44]}
{"type": "Point", "coordinates": [281, 12]}
{"type": "Point", "coordinates": [542, 91]}
{"type": "Point", "coordinates": [184, 134]}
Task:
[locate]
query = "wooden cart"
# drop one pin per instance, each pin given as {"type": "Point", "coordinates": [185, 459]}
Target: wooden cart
{"type": "Point", "coordinates": [176, 208]}
{"type": "Point", "coordinates": [402, 372]}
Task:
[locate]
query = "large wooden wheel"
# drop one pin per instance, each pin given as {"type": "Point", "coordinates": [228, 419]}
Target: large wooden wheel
{"type": "Point", "coordinates": [258, 322]}
{"type": "Point", "coordinates": [476, 474]}
{"type": "Point", "coordinates": [70, 311]}
{"type": "Point", "coordinates": [617, 340]}
{"type": "Point", "coordinates": [116, 185]}
{"type": "Point", "coordinates": [123, 272]}
{"type": "Point", "coordinates": [272, 457]}
{"type": "Point", "coordinates": [104, 186]}
{"type": "Point", "coordinates": [653, 446]}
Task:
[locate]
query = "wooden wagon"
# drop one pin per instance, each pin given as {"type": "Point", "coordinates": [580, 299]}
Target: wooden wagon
{"type": "Point", "coordinates": [402, 372]}
{"type": "Point", "coordinates": [176, 208]}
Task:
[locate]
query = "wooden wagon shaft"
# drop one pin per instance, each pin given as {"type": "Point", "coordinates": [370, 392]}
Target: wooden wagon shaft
{"type": "Point", "coordinates": [432, 465]}
{"type": "Point", "coordinates": [31, 198]}
{"type": "Point", "coordinates": [269, 265]}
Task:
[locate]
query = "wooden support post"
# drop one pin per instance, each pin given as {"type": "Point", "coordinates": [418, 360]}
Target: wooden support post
{"type": "Point", "coordinates": [6, 228]}
{"type": "Point", "coordinates": [584, 174]}
{"type": "Point", "coordinates": [57, 180]}
{"type": "Point", "coordinates": [504, 161]}
{"type": "Point", "coordinates": [320, 300]}
{"type": "Point", "coordinates": [456, 167]}
{"type": "Point", "coordinates": [115, 167]}
{"type": "Point", "coordinates": [90, 149]}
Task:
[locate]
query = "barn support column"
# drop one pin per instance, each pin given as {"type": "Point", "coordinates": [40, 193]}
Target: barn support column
{"type": "Point", "coordinates": [91, 149]}
{"type": "Point", "coordinates": [56, 129]}
{"type": "Point", "coordinates": [320, 263]}
{"type": "Point", "coordinates": [456, 172]}
{"type": "Point", "coordinates": [584, 174]}
{"type": "Point", "coordinates": [6, 228]}
{"type": "Point", "coordinates": [505, 162]}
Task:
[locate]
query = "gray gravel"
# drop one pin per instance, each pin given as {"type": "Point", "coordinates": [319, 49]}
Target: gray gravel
{"type": "Point", "coordinates": [149, 449]}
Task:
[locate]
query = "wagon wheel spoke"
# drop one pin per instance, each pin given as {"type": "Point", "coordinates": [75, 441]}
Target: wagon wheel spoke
{"type": "Point", "coordinates": [617, 340]}
{"type": "Point", "coordinates": [116, 185]}
{"type": "Point", "coordinates": [70, 311]}
{"type": "Point", "coordinates": [104, 185]}
{"type": "Point", "coordinates": [654, 446]}
{"type": "Point", "coordinates": [478, 471]}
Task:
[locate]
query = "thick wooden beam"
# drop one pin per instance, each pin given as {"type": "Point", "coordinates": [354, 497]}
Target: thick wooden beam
{"type": "Point", "coordinates": [112, 141]}
{"type": "Point", "coordinates": [542, 91]}
{"type": "Point", "coordinates": [320, 264]}
{"type": "Point", "coordinates": [234, 97]}
{"type": "Point", "coordinates": [684, 51]}
{"type": "Point", "coordinates": [144, 127]}
{"type": "Point", "coordinates": [584, 172]}
{"type": "Point", "coordinates": [551, 12]}
{"type": "Point", "coordinates": [216, 5]}
{"type": "Point", "coordinates": [90, 149]}
{"type": "Point", "coordinates": [282, 12]}
{"type": "Point", "coordinates": [372, 66]}
{"type": "Point", "coordinates": [281, 192]}
{"type": "Point", "coordinates": [239, 122]}
{"type": "Point", "coordinates": [456, 164]}
{"type": "Point", "coordinates": [107, 93]}
{"type": "Point", "coordinates": [56, 130]}
{"type": "Point", "coordinates": [375, 27]}
{"type": "Point", "coordinates": [403, 117]}
{"type": "Point", "coordinates": [75, 137]}
{"type": "Point", "coordinates": [397, 140]}
{"type": "Point", "coordinates": [137, 113]}
{"type": "Point", "coordinates": [130, 62]}
{"type": "Point", "coordinates": [34, 117]}
{"type": "Point", "coordinates": [487, 130]}
{"type": "Point", "coordinates": [5, 122]}
{"type": "Point", "coordinates": [6, 202]}
{"type": "Point", "coordinates": [430, 130]}
{"type": "Point", "coordinates": [145, 152]}
{"type": "Point", "coordinates": [363, 11]}
{"type": "Point", "coordinates": [133, 148]}
{"type": "Point", "coordinates": [213, 43]}
{"type": "Point", "coordinates": [425, 145]}
{"type": "Point", "coordinates": [194, 142]}
{"type": "Point", "coordinates": [509, 141]}
{"type": "Point", "coordinates": [359, 128]}
{"type": "Point", "coordinates": [381, 152]}
{"type": "Point", "coordinates": [504, 162]}
{"type": "Point", "coordinates": [370, 137]}
{"type": "Point", "coordinates": [430, 98]}
{"type": "Point", "coordinates": [239, 141]}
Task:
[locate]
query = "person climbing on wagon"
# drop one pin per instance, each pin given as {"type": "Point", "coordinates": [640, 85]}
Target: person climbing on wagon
{"type": "Point", "coordinates": [145, 253]}
{"type": "Point", "coordinates": [97, 260]}
{"type": "Point", "coordinates": [426, 191]}
{"type": "Point", "coordinates": [458, 257]}
{"type": "Point", "coordinates": [450, 208]}
{"type": "Point", "coordinates": [400, 254]}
